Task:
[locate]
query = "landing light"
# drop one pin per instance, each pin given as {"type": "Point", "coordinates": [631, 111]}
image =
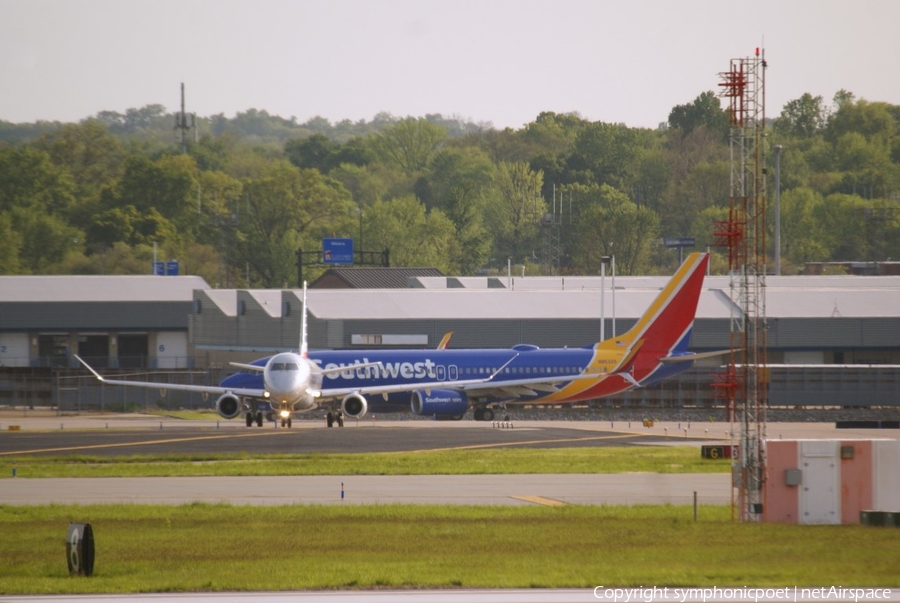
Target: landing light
{"type": "Point", "coordinates": [285, 414]}
{"type": "Point", "coordinates": [265, 394]}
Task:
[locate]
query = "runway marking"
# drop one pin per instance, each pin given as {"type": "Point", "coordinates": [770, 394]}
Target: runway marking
{"type": "Point", "coordinates": [529, 442]}
{"type": "Point", "coordinates": [540, 500]}
{"type": "Point", "coordinates": [148, 442]}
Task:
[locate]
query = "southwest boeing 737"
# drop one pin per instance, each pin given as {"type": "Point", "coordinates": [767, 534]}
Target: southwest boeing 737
{"type": "Point", "coordinates": [446, 383]}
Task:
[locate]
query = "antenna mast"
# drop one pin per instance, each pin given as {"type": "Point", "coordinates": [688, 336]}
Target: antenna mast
{"type": "Point", "coordinates": [181, 123]}
{"type": "Point", "coordinates": [745, 383]}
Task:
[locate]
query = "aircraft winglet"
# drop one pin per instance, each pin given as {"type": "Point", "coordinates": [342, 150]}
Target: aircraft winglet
{"type": "Point", "coordinates": [89, 367]}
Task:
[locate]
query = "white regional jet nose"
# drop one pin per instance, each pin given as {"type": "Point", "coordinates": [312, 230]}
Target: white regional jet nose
{"type": "Point", "coordinates": [287, 375]}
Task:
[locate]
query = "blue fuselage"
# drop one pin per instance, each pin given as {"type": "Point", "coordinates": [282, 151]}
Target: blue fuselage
{"type": "Point", "coordinates": [428, 366]}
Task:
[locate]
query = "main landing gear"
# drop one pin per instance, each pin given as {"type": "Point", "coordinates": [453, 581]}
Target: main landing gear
{"type": "Point", "coordinates": [334, 417]}
{"type": "Point", "coordinates": [254, 417]}
{"type": "Point", "coordinates": [484, 414]}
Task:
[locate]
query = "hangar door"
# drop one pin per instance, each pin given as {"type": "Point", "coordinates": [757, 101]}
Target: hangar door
{"type": "Point", "coordinates": [94, 349]}
{"type": "Point", "coordinates": [133, 350]}
{"type": "Point", "coordinates": [171, 350]}
{"type": "Point", "coordinates": [14, 349]}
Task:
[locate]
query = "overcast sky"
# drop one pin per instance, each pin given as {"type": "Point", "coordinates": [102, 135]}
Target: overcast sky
{"type": "Point", "coordinates": [497, 61]}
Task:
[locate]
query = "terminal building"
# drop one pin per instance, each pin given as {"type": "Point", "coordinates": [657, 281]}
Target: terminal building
{"type": "Point", "coordinates": [831, 340]}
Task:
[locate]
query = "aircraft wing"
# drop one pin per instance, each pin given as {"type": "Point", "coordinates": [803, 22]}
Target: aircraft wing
{"type": "Point", "coordinates": [248, 367]}
{"type": "Point", "coordinates": [527, 387]}
{"type": "Point", "coordinates": [690, 356]}
{"type": "Point", "coordinates": [400, 387]}
{"type": "Point", "coordinates": [206, 389]}
{"type": "Point", "coordinates": [481, 386]}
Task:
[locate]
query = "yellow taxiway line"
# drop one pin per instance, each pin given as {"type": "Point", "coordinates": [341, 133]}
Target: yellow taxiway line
{"type": "Point", "coordinates": [145, 443]}
{"type": "Point", "coordinates": [540, 500]}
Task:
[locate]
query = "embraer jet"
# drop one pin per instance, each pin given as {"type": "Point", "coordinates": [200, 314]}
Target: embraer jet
{"type": "Point", "coordinates": [446, 383]}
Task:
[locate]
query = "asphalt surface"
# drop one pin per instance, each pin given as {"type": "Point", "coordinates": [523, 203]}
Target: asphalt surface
{"type": "Point", "coordinates": [37, 434]}
{"type": "Point", "coordinates": [307, 438]}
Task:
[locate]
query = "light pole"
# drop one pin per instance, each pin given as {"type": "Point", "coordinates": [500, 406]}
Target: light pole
{"type": "Point", "coordinates": [604, 260]}
{"type": "Point", "coordinates": [777, 210]}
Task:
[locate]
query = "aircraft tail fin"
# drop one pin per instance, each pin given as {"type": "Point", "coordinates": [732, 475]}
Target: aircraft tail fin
{"type": "Point", "coordinates": [664, 330]}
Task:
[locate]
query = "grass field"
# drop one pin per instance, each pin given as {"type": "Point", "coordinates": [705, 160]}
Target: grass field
{"type": "Point", "coordinates": [646, 459]}
{"type": "Point", "coordinates": [203, 547]}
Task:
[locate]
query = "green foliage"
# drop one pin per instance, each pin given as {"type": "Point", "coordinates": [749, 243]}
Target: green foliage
{"type": "Point", "coordinates": [706, 110]}
{"type": "Point", "coordinates": [284, 207]}
{"type": "Point", "coordinates": [460, 182]}
{"type": "Point", "coordinates": [607, 222]}
{"type": "Point", "coordinates": [803, 117]}
{"type": "Point", "coordinates": [91, 197]}
{"type": "Point", "coordinates": [409, 144]}
{"type": "Point", "coordinates": [415, 236]}
{"type": "Point", "coordinates": [516, 210]}
{"type": "Point", "coordinates": [647, 459]}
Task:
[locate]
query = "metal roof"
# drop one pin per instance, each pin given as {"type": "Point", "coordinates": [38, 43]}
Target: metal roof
{"type": "Point", "coordinates": [846, 297]}
{"type": "Point", "coordinates": [633, 295]}
{"type": "Point", "coordinates": [531, 297]}
{"type": "Point", "coordinates": [371, 278]}
{"type": "Point", "coordinates": [95, 288]}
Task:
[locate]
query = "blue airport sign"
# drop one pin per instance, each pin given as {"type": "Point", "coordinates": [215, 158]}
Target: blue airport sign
{"type": "Point", "coordinates": [337, 251]}
{"type": "Point", "coordinates": [678, 241]}
{"type": "Point", "coordinates": [166, 268]}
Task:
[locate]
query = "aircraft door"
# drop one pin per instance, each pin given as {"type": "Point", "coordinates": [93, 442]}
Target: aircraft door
{"type": "Point", "coordinates": [453, 372]}
{"type": "Point", "coordinates": [441, 373]}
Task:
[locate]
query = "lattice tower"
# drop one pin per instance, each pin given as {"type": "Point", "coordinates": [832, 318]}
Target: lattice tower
{"type": "Point", "coordinates": [744, 235]}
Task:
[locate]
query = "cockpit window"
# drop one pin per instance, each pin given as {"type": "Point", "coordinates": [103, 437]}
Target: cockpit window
{"type": "Point", "coordinates": [285, 366]}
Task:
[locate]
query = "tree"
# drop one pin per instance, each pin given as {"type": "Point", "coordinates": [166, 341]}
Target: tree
{"type": "Point", "coordinates": [842, 220]}
{"type": "Point", "coordinates": [705, 110]}
{"type": "Point", "coordinates": [460, 183]}
{"type": "Point", "coordinates": [607, 154]}
{"type": "Point", "coordinates": [517, 210]}
{"type": "Point", "coordinates": [408, 144]}
{"type": "Point", "coordinates": [45, 240]}
{"type": "Point", "coordinates": [311, 152]}
{"type": "Point", "coordinates": [284, 207]}
{"type": "Point", "coordinates": [866, 166]}
{"type": "Point", "coordinates": [90, 154]}
{"type": "Point", "coordinates": [802, 232]}
{"type": "Point", "coordinates": [371, 183]}
{"type": "Point", "coordinates": [29, 179]}
{"type": "Point", "coordinates": [803, 117]}
{"type": "Point", "coordinates": [415, 236]}
{"type": "Point", "coordinates": [554, 133]}
{"type": "Point", "coordinates": [707, 184]}
{"type": "Point", "coordinates": [126, 224]}
{"type": "Point", "coordinates": [874, 121]}
{"type": "Point", "coordinates": [10, 242]}
{"type": "Point", "coordinates": [606, 222]}
{"type": "Point", "coordinates": [551, 141]}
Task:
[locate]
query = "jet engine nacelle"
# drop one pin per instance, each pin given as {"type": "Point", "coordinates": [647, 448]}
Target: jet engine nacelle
{"type": "Point", "coordinates": [440, 402]}
{"type": "Point", "coordinates": [228, 406]}
{"type": "Point", "coordinates": [354, 405]}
